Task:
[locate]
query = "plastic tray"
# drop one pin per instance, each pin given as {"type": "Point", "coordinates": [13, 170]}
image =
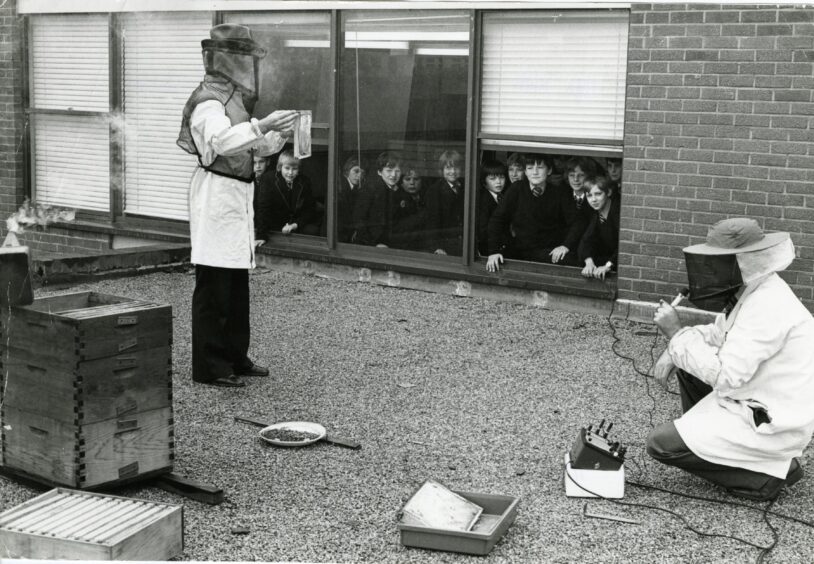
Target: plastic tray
{"type": "Point", "coordinates": [499, 511]}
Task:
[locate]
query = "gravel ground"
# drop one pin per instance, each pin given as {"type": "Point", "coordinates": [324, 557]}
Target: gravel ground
{"type": "Point", "coordinates": [480, 395]}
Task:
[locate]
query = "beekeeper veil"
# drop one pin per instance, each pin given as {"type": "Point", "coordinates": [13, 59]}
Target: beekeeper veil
{"type": "Point", "coordinates": [231, 53]}
{"type": "Point", "coordinates": [736, 252]}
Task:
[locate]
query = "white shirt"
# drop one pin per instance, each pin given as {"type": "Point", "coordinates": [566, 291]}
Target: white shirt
{"type": "Point", "coordinates": [762, 356]}
{"type": "Point", "coordinates": [221, 217]}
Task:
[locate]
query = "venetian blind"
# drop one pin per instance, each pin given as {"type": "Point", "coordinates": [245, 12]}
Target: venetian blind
{"type": "Point", "coordinates": [69, 71]}
{"type": "Point", "coordinates": [162, 66]}
{"type": "Point", "coordinates": [554, 75]}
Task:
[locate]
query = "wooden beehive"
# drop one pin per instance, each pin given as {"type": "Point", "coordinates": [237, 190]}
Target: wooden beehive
{"type": "Point", "coordinates": [73, 525]}
{"type": "Point", "coordinates": [87, 390]}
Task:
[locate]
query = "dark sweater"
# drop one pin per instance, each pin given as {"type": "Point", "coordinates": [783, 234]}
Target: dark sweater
{"type": "Point", "coordinates": [379, 213]}
{"type": "Point", "coordinates": [278, 205]}
{"type": "Point", "coordinates": [537, 222]}
{"type": "Point", "coordinates": [445, 217]}
{"type": "Point", "coordinates": [601, 239]}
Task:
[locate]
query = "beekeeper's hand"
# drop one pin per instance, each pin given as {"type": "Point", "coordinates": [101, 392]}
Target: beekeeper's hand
{"type": "Point", "coordinates": [279, 120]}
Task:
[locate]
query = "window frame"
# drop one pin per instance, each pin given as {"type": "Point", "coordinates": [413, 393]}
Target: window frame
{"type": "Point", "coordinates": [469, 266]}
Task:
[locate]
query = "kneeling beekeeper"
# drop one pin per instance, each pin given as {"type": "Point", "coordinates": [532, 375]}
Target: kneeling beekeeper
{"type": "Point", "coordinates": [747, 380]}
{"type": "Point", "coordinates": [216, 126]}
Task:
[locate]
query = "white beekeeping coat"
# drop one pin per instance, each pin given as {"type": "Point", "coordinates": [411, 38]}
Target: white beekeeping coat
{"type": "Point", "coordinates": [221, 218]}
{"type": "Point", "coordinates": [761, 356]}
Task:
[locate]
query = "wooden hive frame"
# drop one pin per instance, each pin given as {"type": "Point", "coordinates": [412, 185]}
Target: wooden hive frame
{"type": "Point", "coordinates": [72, 525]}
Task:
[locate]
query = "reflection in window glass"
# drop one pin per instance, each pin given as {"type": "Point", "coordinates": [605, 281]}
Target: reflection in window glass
{"type": "Point", "coordinates": [294, 75]}
{"type": "Point", "coordinates": [403, 91]}
{"type": "Point", "coordinates": [558, 209]}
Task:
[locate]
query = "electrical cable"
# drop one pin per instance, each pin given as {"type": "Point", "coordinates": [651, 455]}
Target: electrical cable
{"type": "Point", "coordinates": [670, 511]}
{"type": "Point", "coordinates": [766, 511]}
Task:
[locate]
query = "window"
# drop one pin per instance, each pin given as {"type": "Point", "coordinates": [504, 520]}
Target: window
{"type": "Point", "coordinates": [554, 76]}
{"type": "Point", "coordinates": [552, 113]}
{"type": "Point", "coordinates": [295, 74]}
{"type": "Point", "coordinates": [70, 104]}
{"type": "Point", "coordinates": [161, 67]}
{"type": "Point", "coordinates": [403, 92]}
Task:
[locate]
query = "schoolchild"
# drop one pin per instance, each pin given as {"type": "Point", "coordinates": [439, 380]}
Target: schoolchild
{"type": "Point", "coordinates": [575, 207]}
{"type": "Point", "coordinates": [516, 169]}
{"type": "Point", "coordinates": [379, 202]}
{"type": "Point", "coordinates": [287, 202]}
{"type": "Point", "coordinates": [614, 167]}
{"type": "Point", "coordinates": [493, 176]}
{"type": "Point", "coordinates": [599, 247]}
{"type": "Point", "coordinates": [533, 213]}
{"type": "Point", "coordinates": [410, 223]}
{"type": "Point", "coordinates": [350, 186]}
{"type": "Point", "coordinates": [445, 206]}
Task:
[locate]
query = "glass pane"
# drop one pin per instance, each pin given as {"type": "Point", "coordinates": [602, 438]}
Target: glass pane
{"type": "Point", "coordinates": [61, 179]}
{"type": "Point", "coordinates": [554, 76]}
{"type": "Point", "coordinates": [403, 86]}
{"type": "Point", "coordinates": [295, 74]}
{"type": "Point", "coordinates": [558, 209]}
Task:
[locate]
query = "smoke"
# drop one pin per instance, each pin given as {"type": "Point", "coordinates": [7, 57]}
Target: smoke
{"type": "Point", "coordinates": [33, 214]}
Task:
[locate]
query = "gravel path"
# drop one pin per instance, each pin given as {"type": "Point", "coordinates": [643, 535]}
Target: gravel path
{"type": "Point", "coordinates": [480, 395]}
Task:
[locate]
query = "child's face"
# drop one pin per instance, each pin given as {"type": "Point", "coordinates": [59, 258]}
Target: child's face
{"type": "Point", "coordinates": [537, 173]}
{"type": "Point", "coordinates": [515, 173]}
{"type": "Point", "coordinates": [390, 175]}
{"type": "Point", "coordinates": [260, 165]}
{"type": "Point", "coordinates": [495, 183]}
{"type": "Point", "coordinates": [355, 175]}
{"type": "Point", "coordinates": [597, 199]}
{"type": "Point", "coordinates": [615, 170]}
{"type": "Point", "coordinates": [452, 172]}
{"type": "Point", "coordinates": [289, 170]}
{"type": "Point", "coordinates": [411, 182]}
{"type": "Point", "coordinates": [576, 178]}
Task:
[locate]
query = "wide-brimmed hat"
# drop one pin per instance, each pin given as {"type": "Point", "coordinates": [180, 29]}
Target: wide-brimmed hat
{"type": "Point", "coordinates": [736, 235]}
{"type": "Point", "coordinates": [233, 38]}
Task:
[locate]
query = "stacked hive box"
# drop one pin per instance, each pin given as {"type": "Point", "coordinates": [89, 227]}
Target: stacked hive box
{"type": "Point", "coordinates": [87, 390]}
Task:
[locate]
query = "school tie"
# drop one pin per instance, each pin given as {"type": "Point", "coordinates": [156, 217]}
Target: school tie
{"type": "Point", "coordinates": [602, 219]}
{"type": "Point", "coordinates": [499, 198]}
{"type": "Point", "coordinates": [537, 191]}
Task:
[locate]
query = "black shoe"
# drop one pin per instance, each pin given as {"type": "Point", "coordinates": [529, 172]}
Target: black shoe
{"type": "Point", "coordinates": [253, 370]}
{"type": "Point", "coordinates": [795, 473]}
{"type": "Point", "coordinates": [230, 381]}
{"type": "Point", "coordinates": [772, 489]}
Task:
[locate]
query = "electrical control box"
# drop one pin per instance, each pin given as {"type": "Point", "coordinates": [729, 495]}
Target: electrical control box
{"type": "Point", "coordinates": [594, 467]}
{"type": "Point", "coordinates": [594, 450]}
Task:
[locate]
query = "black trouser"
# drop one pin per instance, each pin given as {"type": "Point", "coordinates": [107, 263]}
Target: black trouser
{"type": "Point", "coordinates": [220, 322]}
{"type": "Point", "coordinates": [666, 445]}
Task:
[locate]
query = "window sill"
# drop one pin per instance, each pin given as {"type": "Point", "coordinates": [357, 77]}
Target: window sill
{"type": "Point", "coordinates": [123, 230]}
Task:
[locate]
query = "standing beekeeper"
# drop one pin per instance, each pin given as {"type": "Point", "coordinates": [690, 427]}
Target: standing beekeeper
{"type": "Point", "coordinates": [746, 380]}
{"type": "Point", "coordinates": [217, 128]}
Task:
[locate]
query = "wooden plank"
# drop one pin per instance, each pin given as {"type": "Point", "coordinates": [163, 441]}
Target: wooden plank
{"type": "Point", "coordinates": [40, 446]}
{"type": "Point", "coordinates": [190, 488]}
{"type": "Point", "coordinates": [128, 446]}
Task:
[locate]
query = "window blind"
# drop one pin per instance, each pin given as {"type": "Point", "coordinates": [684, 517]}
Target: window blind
{"type": "Point", "coordinates": [162, 66]}
{"type": "Point", "coordinates": [554, 75]}
{"type": "Point", "coordinates": [70, 71]}
{"type": "Point", "coordinates": [71, 161]}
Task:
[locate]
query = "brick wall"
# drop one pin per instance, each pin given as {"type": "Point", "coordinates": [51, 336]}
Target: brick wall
{"type": "Point", "coordinates": [12, 119]}
{"type": "Point", "coordinates": [720, 123]}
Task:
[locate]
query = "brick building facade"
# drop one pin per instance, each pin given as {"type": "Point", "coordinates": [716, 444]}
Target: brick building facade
{"type": "Point", "coordinates": [719, 122]}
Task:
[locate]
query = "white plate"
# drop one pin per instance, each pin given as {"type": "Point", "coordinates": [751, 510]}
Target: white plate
{"type": "Point", "coordinates": [296, 426]}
